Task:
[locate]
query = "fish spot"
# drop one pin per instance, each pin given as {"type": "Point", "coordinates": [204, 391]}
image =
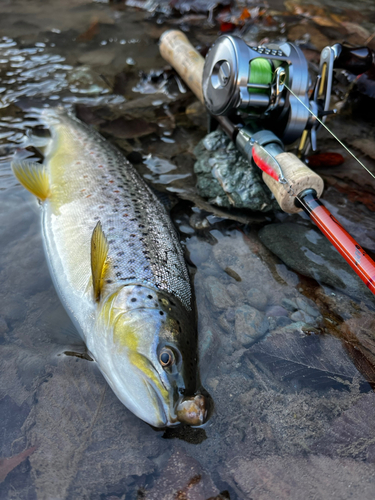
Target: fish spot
{"type": "Point", "coordinates": [118, 274]}
{"type": "Point", "coordinates": [111, 229]}
{"type": "Point", "coordinates": [161, 313]}
{"type": "Point", "coordinates": [101, 206]}
{"type": "Point", "coordinates": [125, 215]}
{"type": "Point", "coordinates": [108, 281]}
{"type": "Point", "coordinates": [120, 254]}
{"type": "Point", "coordinates": [88, 196]}
{"type": "Point", "coordinates": [149, 296]}
{"type": "Point", "coordinates": [133, 299]}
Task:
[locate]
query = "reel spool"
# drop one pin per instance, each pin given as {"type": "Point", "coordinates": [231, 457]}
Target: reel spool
{"type": "Point", "coordinates": [251, 79]}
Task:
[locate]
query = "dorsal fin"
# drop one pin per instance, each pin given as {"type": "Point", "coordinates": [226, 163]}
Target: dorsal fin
{"type": "Point", "coordinates": [32, 176]}
{"type": "Point", "coordinates": [99, 263]}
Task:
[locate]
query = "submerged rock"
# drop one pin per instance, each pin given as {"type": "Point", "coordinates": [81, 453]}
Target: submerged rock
{"type": "Point", "coordinates": [226, 178]}
{"type": "Point", "coordinates": [309, 253]}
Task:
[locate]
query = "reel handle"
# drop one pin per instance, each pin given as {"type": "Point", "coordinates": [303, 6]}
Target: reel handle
{"type": "Point", "coordinates": [357, 60]}
{"type": "Point", "coordinates": [300, 178]}
{"type": "Point", "coordinates": [176, 49]}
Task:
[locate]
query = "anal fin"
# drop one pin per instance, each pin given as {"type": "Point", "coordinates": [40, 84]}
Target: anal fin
{"type": "Point", "coordinates": [99, 262]}
{"type": "Point", "coordinates": [33, 177]}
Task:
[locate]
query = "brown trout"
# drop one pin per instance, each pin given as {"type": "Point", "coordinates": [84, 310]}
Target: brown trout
{"type": "Point", "coordinates": [118, 268]}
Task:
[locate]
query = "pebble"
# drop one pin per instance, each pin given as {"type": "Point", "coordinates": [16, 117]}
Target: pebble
{"type": "Point", "coordinates": [282, 321]}
{"type": "Point", "coordinates": [276, 311]}
{"type": "Point", "coordinates": [217, 293]}
{"type": "Point", "coordinates": [235, 293]}
{"type": "Point", "coordinates": [230, 315]}
{"type": "Point", "coordinates": [304, 305]}
{"type": "Point", "coordinates": [256, 298]}
{"type": "Point", "coordinates": [250, 324]}
{"type": "Point", "coordinates": [289, 304]}
{"type": "Point", "coordinates": [302, 316]}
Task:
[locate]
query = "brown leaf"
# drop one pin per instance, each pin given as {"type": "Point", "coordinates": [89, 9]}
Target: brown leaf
{"type": "Point", "coordinates": [8, 464]}
{"type": "Point", "coordinates": [89, 34]}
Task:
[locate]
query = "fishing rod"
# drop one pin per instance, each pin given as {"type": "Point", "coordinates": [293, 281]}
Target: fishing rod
{"type": "Point", "coordinates": [267, 87]}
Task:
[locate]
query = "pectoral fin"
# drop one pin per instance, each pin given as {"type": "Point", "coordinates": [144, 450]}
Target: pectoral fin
{"type": "Point", "coordinates": [99, 262]}
{"type": "Point", "coordinates": [34, 177]}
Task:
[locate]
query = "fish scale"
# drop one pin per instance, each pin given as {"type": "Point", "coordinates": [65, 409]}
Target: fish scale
{"type": "Point", "coordinates": [103, 186]}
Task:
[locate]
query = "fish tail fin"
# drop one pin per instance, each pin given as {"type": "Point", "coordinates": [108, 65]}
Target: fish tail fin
{"type": "Point", "coordinates": [99, 255]}
{"type": "Point", "coordinates": [33, 177]}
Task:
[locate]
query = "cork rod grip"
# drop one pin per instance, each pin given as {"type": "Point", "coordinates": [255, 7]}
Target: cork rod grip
{"type": "Point", "coordinates": [299, 177]}
{"type": "Point", "coordinates": [176, 49]}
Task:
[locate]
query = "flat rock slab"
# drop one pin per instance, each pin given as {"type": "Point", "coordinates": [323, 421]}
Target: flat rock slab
{"type": "Point", "coordinates": [308, 252]}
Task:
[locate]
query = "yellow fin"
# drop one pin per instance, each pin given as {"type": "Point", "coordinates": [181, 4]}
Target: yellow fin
{"type": "Point", "coordinates": [34, 177]}
{"type": "Point", "coordinates": [99, 263]}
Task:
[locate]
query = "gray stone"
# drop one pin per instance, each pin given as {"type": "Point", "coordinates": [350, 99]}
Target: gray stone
{"type": "Point", "coordinates": [250, 324]}
{"type": "Point", "coordinates": [235, 292]}
{"type": "Point", "coordinates": [276, 311]}
{"type": "Point", "coordinates": [230, 315]}
{"type": "Point", "coordinates": [217, 293]}
{"type": "Point", "coordinates": [302, 316]}
{"type": "Point", "coordinates": [309, 253]}
{"type": "Point", "coordinates": [3, 325]}
{"type": "Point", "coordinates": [290, 305]}
{"type": "Point", "coordinates": [14, 307]}
{"type": "Point", "coordinates": [256, 298]}
{"type": "Point", "coordinates": [226, 178]}
{"type": "Point", "coordinates": [282, 321]}
{"type": "Point", "coordinates": [307, 306]}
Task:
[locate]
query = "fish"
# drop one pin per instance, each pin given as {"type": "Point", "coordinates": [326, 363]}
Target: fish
{"type": "Point", "coordinates": [119, 270]}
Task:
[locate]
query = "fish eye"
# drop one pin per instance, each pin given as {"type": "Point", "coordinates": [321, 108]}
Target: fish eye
{"type": "Point", "coordinates": [166, 358]}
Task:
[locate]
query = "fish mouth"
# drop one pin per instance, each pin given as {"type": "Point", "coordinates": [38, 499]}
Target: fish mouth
{"type": "Point", "coordinates": [155, 396]}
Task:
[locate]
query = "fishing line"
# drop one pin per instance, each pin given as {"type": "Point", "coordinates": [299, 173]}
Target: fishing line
{"type": "Point", "coordinates": [333, 135]}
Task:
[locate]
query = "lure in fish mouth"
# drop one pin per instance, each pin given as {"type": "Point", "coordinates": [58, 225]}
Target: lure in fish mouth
{"type": "Point", "coordinates": [119, 270]}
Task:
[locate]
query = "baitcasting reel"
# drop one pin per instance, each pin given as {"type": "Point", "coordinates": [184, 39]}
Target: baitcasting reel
{"type": "Point", "coordinates": [255, 81]}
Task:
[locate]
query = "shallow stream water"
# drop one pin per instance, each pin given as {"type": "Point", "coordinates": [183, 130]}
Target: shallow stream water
{"type": "Point", "coordinates": [287, 342]}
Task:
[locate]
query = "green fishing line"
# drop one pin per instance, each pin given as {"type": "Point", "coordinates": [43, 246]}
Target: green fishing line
{"type": "Point", "coordinates": [260, 71]}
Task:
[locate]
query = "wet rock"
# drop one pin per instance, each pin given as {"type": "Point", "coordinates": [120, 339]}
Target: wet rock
{"type": "Point", "coordinates": [256, 298]}
{"type": "Point", "coordinates": [14, 307]}
{"type": "Point", "coordinates": [350, 434]}
{"type": "Point", "coordinates": [302, 316]}
{"type": "Point", "coordinates": [289, 304]}
{"type": "Point", "coordinates": [276, 311]}
{"type": "Point", "coordinates": [99, 57]}
{"type": "Point", "coordinates": [3, 325]}
{"type": "Point", "coordinates": [250, 324]}
{"type": "Point", "coordinates": [217, 293]}
{"type": "Point", "coordinates": [183, 478]}
{"type": "Point", "coordinates": [226, 178]}
{"type": "Point", "coordinates": [308, 252]}
{"type": "Point", "coordinates": [307, 306]}
{"type": "Point", "coordinates": [282, 321]}
{"type": "Point", "coordinates": [235, 293]}
{"type": "Point", "coordinates": [230, 315]}
{"type": "Point", "coordinates": [82, 430]}
{"type": "Point", "coordinates": [299, 477]}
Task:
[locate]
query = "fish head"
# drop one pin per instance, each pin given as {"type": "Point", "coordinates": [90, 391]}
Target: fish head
{"type": "Point", "coordinates": [151, 357]}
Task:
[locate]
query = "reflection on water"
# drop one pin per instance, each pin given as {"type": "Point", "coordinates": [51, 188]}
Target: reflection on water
{"type": "Point", "coordinates": [293, 413]}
